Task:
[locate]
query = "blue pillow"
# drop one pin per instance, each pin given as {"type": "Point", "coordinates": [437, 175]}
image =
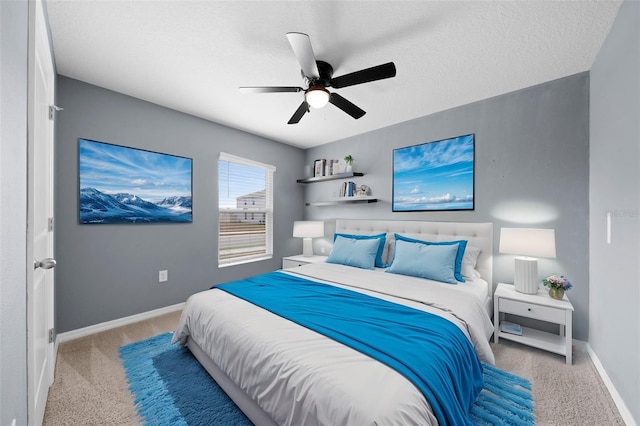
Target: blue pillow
{"type": "Point", "coordinates": [360, 253]}
{"type": "Point", "coordinates": [434, 262]}
{"type": "Point", "coordinates": [462, 245]}
{"type": "Point", "coordinates": [381, 237]}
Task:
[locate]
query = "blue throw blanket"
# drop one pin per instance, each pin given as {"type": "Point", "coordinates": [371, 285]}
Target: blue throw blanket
{"type": "Point", "coordinates": [428, 350]}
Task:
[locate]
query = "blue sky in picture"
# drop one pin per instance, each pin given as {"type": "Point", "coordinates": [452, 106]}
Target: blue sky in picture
{"type": "Point", "coordinates": [434, 176]}
{"type": "Point", "coordinates": [114, 169]}
{"type": "Point", "coordinates": [245, 180]}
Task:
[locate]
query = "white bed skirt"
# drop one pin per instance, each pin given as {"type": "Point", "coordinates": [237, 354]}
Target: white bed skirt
{"type": "Point", "coordinates": [247, 405]}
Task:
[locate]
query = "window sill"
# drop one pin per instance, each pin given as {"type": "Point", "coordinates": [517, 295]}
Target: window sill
{"type": "Point", "coordinates": [243, 261]}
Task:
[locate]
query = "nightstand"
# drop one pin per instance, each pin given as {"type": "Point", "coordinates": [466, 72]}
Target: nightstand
{"type": "Point", "coordinates": [506, 300]}
{"type": "Point", "coordinates": [299, 260]}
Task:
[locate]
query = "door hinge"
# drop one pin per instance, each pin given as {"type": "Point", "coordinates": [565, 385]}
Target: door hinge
{"type": "Point", "coordinates": [52, 111]}
{"type": "Point", "coordinates": [50, 224]}
{"type": "Point", "coordinates": [51, 336]}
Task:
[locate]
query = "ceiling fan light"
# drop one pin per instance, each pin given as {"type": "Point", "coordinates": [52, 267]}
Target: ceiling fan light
{"type": "Point", "coordinates": [317, 97]}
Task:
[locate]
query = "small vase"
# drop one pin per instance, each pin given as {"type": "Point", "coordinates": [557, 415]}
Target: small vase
{"type": "Point", "coordinates": [556, 293]}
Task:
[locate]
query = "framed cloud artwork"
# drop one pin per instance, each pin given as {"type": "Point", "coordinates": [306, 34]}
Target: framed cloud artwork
{"type": "Point", "coordinates": [119, 184]}
{"type": "Point", "coordinates": [434, 176]}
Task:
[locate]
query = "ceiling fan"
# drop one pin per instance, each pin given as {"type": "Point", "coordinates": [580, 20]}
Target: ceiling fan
{"type": "Point", "coordinates": [318, 75]}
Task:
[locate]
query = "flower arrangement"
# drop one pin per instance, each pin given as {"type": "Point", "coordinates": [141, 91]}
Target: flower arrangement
{"type": "Point", "coordinates": [557, 282]}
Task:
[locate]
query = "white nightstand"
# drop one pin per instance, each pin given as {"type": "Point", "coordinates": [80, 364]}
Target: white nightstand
{"type": "Point", "coordinates": [299, 260]}
{"type": "Point", "coordinates": [506, 300]}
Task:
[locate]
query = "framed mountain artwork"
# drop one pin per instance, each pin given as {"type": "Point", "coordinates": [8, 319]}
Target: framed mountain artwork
{"type": "Point", "coordinates": [119, 184]}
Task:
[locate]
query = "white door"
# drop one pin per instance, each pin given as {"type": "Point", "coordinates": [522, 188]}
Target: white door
{"type": "Point", "coordinates": [40, 350]}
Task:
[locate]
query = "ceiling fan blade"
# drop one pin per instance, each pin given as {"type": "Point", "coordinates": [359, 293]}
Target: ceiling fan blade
{"type": "Point", "coordinates": [301, 45]}
{"type": "Point", "coordinates": [346, 106]}
{"type": "Point", "coordinates": [273, 89]}
{"type": "Point", "coordinates": [379, 72]}
{"type": "Point", "coordinates": [302, 109]}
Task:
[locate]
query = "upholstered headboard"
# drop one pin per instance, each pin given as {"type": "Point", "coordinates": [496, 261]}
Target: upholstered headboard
{"type": "Point", "coordinates": [477, 234]}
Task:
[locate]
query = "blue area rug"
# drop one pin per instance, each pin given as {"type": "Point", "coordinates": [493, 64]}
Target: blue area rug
{"type": "Point", "coordinates": [171, 388]}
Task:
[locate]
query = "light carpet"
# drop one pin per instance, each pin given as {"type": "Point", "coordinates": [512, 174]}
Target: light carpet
{"type": "Point", "coordinates": [171, 388]}
{"type": "Point", "coordinates": [90, 386]}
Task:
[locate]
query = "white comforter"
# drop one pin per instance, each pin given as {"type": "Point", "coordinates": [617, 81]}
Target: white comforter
{"type": "Point", "coordinates": [300, 377]}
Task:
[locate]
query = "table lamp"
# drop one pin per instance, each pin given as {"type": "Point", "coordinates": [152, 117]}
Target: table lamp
{"type": "Point", "coordinates": [307, 230]}
{"type": "Point", "coordinates": [528, 244]}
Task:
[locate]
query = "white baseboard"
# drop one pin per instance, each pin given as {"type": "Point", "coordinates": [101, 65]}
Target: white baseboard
{"type": "Point", "coordinates": [617, 399]}
{"type": "Point", "coordinates": [104, 326]}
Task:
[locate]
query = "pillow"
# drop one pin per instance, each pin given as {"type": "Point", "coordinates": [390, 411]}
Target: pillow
{"type": "Point", "coordinates": [469, 261]}
{"type": "Point", "coordinates": [462, 244]}
{"type": "Point", "coordinates": [357, 252]}
{"type": "Point", "coordinates": [382, 237]}
{"type": "Point", "coordinates": [431, 261]}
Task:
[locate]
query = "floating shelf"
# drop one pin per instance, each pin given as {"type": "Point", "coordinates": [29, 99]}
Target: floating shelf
{"type": "Point", "coordinates": [330, 177]}
{"type": "Point", "coordinates": [343, 200]}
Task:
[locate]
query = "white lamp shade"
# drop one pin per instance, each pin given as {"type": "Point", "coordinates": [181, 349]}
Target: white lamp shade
{"type": "Point", "coordinates": [308, 229]}
{"type": "Point", "coordinates": [528, 242]}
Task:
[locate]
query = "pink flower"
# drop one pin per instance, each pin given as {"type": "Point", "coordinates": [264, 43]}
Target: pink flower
{"type": "Point", "coordinates": [555, 281]}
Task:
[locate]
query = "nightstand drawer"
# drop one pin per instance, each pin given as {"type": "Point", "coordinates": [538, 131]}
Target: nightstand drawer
{"type": "Point", "coordinates": [299, 260]}
{"type": "Point", "coordinates": [288, 263]}
{"type": "Point", "coordinates": [531, 310]}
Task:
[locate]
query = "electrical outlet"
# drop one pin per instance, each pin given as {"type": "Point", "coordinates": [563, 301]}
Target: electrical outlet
{"type": "Point", "coordinates": [322, 250]}
{"type": "Point", "coordinates": [163, 276]}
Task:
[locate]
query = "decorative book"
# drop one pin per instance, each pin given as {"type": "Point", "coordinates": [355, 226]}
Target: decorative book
{"type": "Point", "coordinates": [348, 189]}
{"type": "Point", "coordinates": [511, 328]}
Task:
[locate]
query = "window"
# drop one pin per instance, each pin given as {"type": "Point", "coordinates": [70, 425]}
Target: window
{"type": "Point", "coordinates": [245, 203]}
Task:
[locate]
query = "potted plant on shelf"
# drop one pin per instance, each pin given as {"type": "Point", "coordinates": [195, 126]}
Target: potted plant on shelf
{"type": "Point", "coordinates": [349, 161]}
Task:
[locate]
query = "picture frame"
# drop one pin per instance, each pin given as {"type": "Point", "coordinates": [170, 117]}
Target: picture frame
{"type": "Point", "coordinates": [435, 176]}
{"type": "Point", "coordinates": [119, 184]}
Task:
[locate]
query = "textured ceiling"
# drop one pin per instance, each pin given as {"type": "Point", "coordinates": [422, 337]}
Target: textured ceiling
{"type": "Point", "coordinates": [193, 55]}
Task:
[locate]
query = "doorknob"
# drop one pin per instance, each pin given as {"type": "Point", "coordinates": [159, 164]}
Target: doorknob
{"type": "Point", "coordinates": [47, 263]}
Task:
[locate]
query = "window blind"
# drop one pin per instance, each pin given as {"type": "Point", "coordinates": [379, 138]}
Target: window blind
{"type": "Point", "coordinates": [245, 201]}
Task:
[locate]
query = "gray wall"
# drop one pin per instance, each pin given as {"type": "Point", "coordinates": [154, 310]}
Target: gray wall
{"type": "Point", "coordinates": [614, 332]}
{"type": "Point", "coordinates": [13, 211]}
{"type": "Point", "coordinates": [531, 170]}
{"type": "Point", "coordinates": [107, 272]}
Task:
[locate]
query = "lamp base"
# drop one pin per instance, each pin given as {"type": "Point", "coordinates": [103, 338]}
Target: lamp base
{"type": "Point", "coordinates": [307, 247]}
{"type": "Point", "coordinates": [526, 275]}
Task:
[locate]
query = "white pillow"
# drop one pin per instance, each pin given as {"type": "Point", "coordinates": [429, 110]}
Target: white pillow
{"type": "Point", "coordinates": [469, 261]}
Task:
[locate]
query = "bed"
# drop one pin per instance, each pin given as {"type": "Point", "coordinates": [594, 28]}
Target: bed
{"type": "Point", "coordinates": [282, 373]}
